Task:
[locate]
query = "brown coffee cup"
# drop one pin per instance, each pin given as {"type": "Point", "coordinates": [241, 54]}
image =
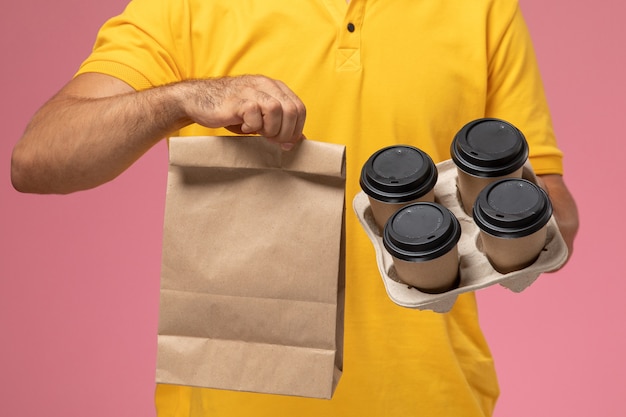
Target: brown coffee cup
{"type": "Point", "coordinates": [422, 239]}
{"type": "Point", "coordinates": [396, 176]}
{"type": "Point", "coordinates": [512, 216]}
{"type": "Point", "coordinates": [484, 151]}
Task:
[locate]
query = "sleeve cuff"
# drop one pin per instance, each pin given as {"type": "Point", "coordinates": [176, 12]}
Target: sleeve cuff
{"type": "Point", "coordinates": [123, 72]}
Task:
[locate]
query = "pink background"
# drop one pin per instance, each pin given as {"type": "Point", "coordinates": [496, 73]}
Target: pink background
{"type": "Point", "coordinates": [79, 274]}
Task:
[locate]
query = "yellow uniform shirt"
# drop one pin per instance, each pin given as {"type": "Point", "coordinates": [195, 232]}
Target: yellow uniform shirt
{"type": "Point", "coordinates": [372, 73]}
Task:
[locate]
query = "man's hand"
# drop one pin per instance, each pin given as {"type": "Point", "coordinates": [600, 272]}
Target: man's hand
{"type": "Point", "coordinates": [249, 104]}
{"type": "Point", "coordinates": [565, 210]}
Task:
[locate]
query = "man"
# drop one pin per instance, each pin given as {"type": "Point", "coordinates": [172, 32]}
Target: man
{"type": "Point", "coordinates": [372, 74]}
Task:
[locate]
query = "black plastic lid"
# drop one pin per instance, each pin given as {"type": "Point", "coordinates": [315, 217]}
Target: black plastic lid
{"type": "Point", "coordinates": [512, 208]}
{"type": "Point", "coordinates": [421, 232]}
{"type": "Point", "coordinates": [397, 174]}
{"type": "Point", "coordinates": [489, 148]}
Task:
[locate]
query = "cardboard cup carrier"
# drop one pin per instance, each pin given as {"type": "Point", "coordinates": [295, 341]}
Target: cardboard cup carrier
{"type": "Point", "coordinates": [518, 238]}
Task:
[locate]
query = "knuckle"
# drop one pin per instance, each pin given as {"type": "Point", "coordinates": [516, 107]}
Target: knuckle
{"type": "Point", "coordinates": [272, 105]}
{"type": "Point", "coordinates": [290, 108]}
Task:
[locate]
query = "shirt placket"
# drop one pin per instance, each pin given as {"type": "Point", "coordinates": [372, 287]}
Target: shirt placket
{"type": "Point", "coordinates": [348, 53]}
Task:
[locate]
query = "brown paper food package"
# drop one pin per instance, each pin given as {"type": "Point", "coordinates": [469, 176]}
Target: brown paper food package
{"type": "Point", "coordinates": [252, 283]}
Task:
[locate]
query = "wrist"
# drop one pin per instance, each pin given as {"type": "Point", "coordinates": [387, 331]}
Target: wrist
{"type": "Point", "coordinates": [170, 105]}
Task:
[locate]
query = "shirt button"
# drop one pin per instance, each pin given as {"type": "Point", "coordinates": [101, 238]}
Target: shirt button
{"type": "Point", "coordinates": [350, 27]}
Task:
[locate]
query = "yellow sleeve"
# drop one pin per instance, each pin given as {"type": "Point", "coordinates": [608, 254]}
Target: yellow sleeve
{"type": "Point", "coordinates": [140, 47]}
{"type": "Point", "coordinates": [515, 89]}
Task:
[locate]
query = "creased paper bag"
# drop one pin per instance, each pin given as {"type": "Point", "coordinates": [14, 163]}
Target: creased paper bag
{"type": "Point", "coordinates": [252, 281]}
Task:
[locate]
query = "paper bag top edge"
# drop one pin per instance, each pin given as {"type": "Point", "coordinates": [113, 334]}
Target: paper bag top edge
{"type": "Point", "coordinates": [255, 152]}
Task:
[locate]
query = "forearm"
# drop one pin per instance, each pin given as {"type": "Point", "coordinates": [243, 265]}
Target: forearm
{"type": "Point", "coordinates": [74, 143]}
